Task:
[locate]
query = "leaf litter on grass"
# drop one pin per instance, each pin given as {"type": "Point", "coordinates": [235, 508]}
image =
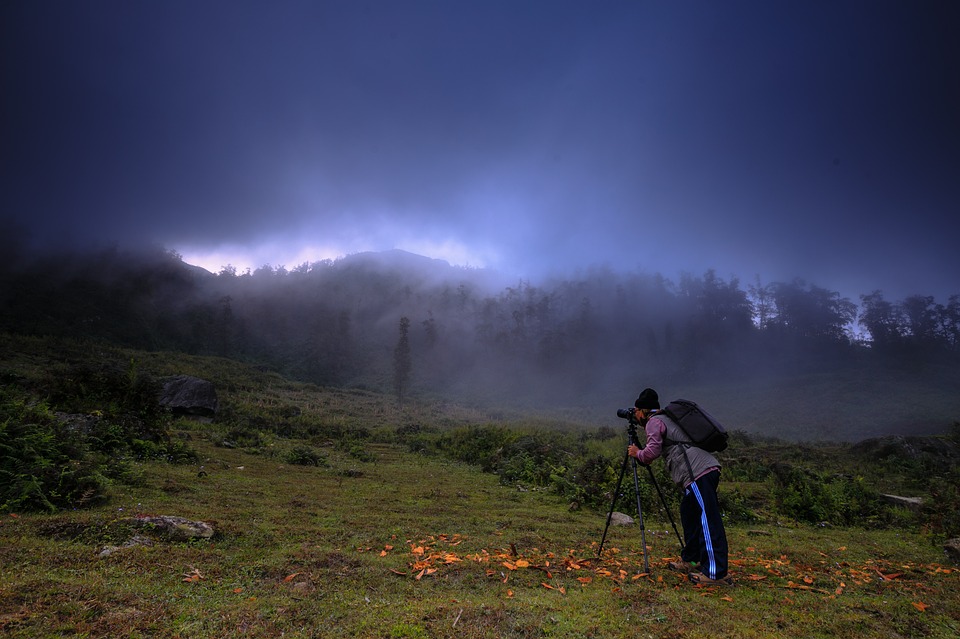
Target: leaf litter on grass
{"type": "Point", "coordinates": [830, 578]}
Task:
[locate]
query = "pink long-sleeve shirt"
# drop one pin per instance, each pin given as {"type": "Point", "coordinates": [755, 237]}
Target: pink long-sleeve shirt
{"type": "Point", "coordinates": [654, 446]}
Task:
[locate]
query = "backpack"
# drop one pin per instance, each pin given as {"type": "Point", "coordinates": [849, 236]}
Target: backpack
{"type": "Point", "coordinates": [702, 430]}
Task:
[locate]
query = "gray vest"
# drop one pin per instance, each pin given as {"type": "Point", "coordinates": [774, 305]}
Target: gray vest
{"type": "Point", "coordinates": [673, 453]}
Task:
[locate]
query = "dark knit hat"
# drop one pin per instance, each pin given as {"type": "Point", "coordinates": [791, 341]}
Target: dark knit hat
{"type": "Point", "coordinates": [648, 399]}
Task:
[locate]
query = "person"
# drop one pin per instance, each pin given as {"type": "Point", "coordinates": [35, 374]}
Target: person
{"type": "Point", "coordinates": [697, 473]}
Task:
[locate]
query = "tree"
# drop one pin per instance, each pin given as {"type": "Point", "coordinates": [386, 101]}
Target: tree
{"type": "Point", "coordinates": [402, 363]}
{"type": "Point", "coordinates": [810, 312]}
{"type": "Point", "coordinates": [761, 297]}
{"type": "Point", "coordinates": [922, 316]}
{"type": "Point", "coordinates": [883, 320]}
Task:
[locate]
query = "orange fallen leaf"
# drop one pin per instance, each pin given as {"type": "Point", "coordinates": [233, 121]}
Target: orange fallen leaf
{"type": "Point", "coordinates": [509, 593]}
{"type": "Point", "coordinates": [726, 599]}
{"type": "Point", "coordinates": [397, 572]}
{"type": "Point", "coordinates": [549, 587]}
{"type": "Point", "coordinates": [291, 577]}
{"type": "Point", "coordinates": [237, 590]}
{"type": "Point", "coordinates": [919, 605]}
{"type": "Point", "coordinates": [192, 576]}
{"type": "Point", "coordinates": [584, 580]}
{"type": "Point", "coordinates": [523, 563]}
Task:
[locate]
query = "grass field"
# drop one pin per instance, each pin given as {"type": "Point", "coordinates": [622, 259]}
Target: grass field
{"type": "Point", "coordinates": [380, 541]}
{"type": "Point", "coordinates": [410, 546]}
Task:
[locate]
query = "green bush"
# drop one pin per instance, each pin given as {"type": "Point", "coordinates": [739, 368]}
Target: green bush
{"type": "Point", "coordinates": [736, 507]}
{"type": "Point", "coordinates": [943, 512]}
{"type": "Point", "coordinates": [105, 416]}
{"type": "Point", "coordinates": [813, 497]}
{"type": "Point", "coordinates": [42, 465]}
{"type": "Point", "coordinates": [478, 445]}
{"type": "Point", "coordinates": [304, 455]}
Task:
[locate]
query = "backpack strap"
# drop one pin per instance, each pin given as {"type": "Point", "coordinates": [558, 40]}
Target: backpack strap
{"type": "Point", "coordinates": [683, 445]}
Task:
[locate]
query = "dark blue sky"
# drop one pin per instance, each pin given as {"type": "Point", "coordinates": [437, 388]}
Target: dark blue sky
{"type": "Point", "coordinates": [782, 139]}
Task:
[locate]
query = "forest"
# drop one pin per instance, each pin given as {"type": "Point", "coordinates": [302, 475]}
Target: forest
{"type": "Point", "coordinates": [403, 323]}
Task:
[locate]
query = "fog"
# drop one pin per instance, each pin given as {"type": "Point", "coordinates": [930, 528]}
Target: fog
{"type": "Point", "coordinates": [781, 359]}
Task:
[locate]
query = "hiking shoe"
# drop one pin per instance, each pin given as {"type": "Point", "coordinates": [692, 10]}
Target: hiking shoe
{"type": "Point", "coordinates": [701, 579]}
{"type": "Point", "coordinates": [684, 567]}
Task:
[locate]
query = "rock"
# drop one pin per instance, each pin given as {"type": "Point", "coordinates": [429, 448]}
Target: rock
{"type": "Point", "coordinates": [173, 528]}
{"type": "Point", "coordinates": [191, 396]}
{"type": "Point", "coordinates": [136, 540]}
{"type": "Point", "coordinates": [910, 503]}
{"type": "Point", "coordinates": [952, 548]}
{"type": "Point", "coordinates": [621, 519]}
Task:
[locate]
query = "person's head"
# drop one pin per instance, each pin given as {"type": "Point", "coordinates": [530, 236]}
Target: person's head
{"type": "Point", "coordinates": [647, 402]}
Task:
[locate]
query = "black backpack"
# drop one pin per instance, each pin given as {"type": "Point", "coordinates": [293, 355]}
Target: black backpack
{"type": "Point", "coordinates": [702, 430]}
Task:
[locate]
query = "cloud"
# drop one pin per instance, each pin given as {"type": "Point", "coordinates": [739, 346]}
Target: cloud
{"type": "Point", "coordinates": [817, 141]}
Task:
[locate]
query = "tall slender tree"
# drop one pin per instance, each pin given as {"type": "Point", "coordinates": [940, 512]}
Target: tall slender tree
{"type": "Point", "coordinates": [402, 362]}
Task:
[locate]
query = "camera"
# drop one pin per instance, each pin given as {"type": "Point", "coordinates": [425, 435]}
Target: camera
{"type": "Point", "coordinates": [627, 413]}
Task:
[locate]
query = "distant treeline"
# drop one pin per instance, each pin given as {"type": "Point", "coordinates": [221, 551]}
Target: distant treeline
{"type": "Point", "coordinates": [338, 322]}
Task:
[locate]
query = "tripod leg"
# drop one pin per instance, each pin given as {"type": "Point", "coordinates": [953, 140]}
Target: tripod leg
{"type": "Point", "coordinates": [643, 530]}
{"type": "Point", "coordinates": [665, 507]}
{"type": "Point", "coordinates": [616, 493]}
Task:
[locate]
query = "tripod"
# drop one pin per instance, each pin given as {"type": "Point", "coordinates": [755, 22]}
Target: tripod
{"type": "Point", "coordinates": [632, 431]}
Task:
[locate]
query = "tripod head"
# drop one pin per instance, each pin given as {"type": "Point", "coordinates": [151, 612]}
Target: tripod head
{"type": "Point", "coordinates": [630, 414]}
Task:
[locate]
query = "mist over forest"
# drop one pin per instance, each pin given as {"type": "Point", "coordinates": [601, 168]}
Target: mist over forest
{"type": "Point", "coordinates": [582, 346]}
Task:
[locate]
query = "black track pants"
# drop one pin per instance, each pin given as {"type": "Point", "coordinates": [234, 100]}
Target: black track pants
{"type": "Point", "coordinates": [705, 540]}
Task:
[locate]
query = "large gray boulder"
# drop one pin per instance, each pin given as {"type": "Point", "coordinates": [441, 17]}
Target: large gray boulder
{"type": "Point", "coordinates": [191, 396]}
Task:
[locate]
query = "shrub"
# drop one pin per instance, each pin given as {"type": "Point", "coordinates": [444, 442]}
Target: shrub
{"type": "Point", "coordinates": [52, 460]}
{"type": "Point", "coordinates": [815, 497]}
{"type": "Point", "coordinates": [479, 445]}
{"type": "Point", "coordinates": [304, 455]}
{"type": "Point", "coordinates": [42, 465]}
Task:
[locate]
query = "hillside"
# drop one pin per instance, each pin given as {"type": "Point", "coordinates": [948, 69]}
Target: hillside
{"type": "Point", "coordinates": [780, 360]}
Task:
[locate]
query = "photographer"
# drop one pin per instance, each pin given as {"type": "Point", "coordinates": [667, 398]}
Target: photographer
{"type": "Point", "coordinates": [697, 472]}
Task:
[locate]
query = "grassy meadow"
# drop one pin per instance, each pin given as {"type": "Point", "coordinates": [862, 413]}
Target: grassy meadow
{"type": "Point", "coordinates": [333, 519]}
